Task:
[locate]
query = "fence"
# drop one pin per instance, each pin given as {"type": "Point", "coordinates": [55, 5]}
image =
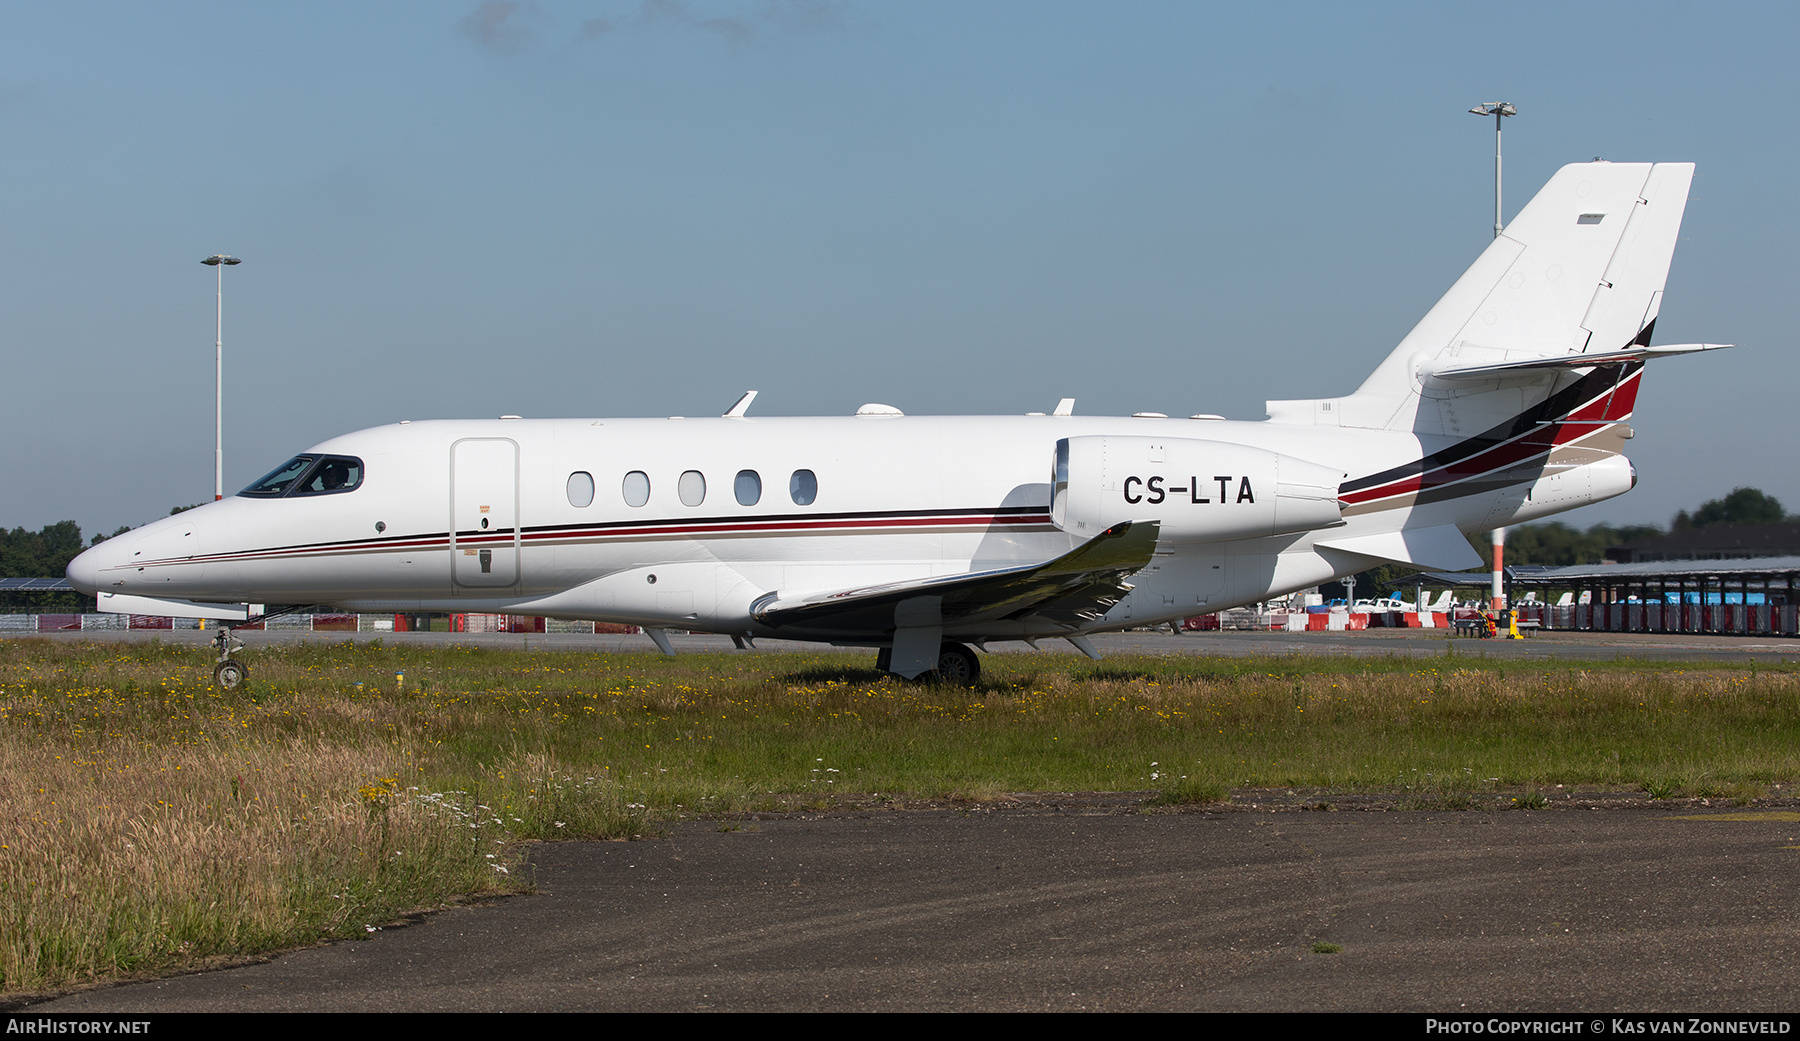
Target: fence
{"type": "Point", "coordinates": [47, 623]}
{"type": "Point", "coordinates": [318, 623]}
{"type": "Point", "coordinates": [1746, 619]}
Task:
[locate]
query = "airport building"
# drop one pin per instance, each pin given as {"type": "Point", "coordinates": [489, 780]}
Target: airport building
{"type": "Point", "coordinates": [1751, 595]}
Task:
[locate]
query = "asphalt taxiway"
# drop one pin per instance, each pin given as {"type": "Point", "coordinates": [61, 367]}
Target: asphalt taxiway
{"type": "Point", "coordinates": [1077, 903]}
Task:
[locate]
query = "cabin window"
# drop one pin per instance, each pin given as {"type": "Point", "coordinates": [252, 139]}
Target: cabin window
{"type": "Point", "coordinates": [803, 487]}
{"type": "Point", "coordinates": [748, 487]}
{"type": "Point", "coordinates": [691, 488]}
{"type": "Point", "coordinates": [581, 489]}
{"type": "Point", "coordinates": [636, 488]}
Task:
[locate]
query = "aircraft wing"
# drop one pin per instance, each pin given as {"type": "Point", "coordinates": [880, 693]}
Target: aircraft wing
{"type": "Point", "coordinates": [122, 603]}
{"type": "Point", "coordinates": [1073, 591]}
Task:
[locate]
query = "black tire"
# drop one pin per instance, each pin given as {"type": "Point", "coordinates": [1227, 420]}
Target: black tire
{"type": "Point", "coordinates": [884, 659]}
{"type": "Point", "coordinates": [957, 666]}
{"type": "Point", "coordinates": [230, 675]}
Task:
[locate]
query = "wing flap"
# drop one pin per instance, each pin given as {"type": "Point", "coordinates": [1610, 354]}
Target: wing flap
{"type": "Point", "coordinates": [1072, 590]}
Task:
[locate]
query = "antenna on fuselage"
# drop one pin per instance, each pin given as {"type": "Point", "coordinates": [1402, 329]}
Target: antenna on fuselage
{"type": "Point", "coordinates": [742, 406]}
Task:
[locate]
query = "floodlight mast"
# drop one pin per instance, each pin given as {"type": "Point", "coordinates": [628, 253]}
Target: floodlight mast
{"type": "Point", "coordinates": [1499, 110]}
{"type": "Point", "coordinates": [219, 262]}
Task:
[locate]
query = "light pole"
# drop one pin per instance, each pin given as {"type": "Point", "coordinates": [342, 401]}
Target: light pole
{"type": "Point", "coordinates": [1497, 109]}
{"type": "Point", "coordinates": [219, 263]}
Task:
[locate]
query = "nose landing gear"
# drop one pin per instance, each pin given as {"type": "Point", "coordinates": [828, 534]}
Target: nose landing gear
{"type": "Point", "coordinates": [228, 672]}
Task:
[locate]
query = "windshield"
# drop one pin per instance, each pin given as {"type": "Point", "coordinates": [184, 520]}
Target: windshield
{"type": "Point", "coordinates": [278, 480]}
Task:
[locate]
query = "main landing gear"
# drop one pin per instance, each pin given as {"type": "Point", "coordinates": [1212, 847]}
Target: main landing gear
{"type": "Point", "coordinates": [956, 665]}
{"type": "Point", "coordinates": [229, 673]}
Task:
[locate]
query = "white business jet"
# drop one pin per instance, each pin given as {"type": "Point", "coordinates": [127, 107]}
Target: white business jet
{"type": "Point", "coordinates": [919, 536]}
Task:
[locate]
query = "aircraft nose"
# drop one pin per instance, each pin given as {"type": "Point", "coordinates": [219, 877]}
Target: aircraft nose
{"type": "Point", "coordinates": [84, 571]}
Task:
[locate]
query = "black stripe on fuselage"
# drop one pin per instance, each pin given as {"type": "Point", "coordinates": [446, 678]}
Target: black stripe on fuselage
{"type": "Point", "coordinates": [1002, 514]}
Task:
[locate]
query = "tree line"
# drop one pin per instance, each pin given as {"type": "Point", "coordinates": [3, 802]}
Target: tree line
{"type": "Point", "coordinates": [1556, 544]}
{"type": "Point", "coordinates": [46, 553]}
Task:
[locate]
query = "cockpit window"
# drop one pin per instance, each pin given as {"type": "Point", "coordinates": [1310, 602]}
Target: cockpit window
{"type": "Point", "coordinates": [309, 475]}
{"type": "Point", "coordinates": [334, 473]}
{"type": "Point", "coordinates": [276, 484]}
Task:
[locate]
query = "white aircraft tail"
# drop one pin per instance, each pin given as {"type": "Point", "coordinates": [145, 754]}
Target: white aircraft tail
{"type": "Point", "coordinates": [1578, 272]}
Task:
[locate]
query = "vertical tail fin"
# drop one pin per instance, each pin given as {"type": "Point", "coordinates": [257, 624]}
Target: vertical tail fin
{"type": "Point", "coordinates": [1579, 270]}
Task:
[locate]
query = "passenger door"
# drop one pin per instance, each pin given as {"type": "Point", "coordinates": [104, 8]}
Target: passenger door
{"type": "Point", "coordinates": [484, 513]}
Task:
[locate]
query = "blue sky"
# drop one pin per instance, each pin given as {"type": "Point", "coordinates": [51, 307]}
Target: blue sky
{"type": "Point", "coordinates": [645, 208]}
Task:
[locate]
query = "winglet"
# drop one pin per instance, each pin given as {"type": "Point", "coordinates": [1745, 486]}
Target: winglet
{"type": "Point", "coordinates": [1065, 407]}
{"type": "Point", "coordinates": [742, 406]}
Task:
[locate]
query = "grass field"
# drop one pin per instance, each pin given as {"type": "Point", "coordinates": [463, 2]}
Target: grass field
{"type": "Point", "coordinates": [149, 821]}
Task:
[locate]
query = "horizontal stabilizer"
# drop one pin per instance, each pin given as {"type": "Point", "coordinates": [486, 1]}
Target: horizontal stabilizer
{"type": "Point", "coordinates": [1567, 362]}
{"type": "Point", "coordinates": [1443, 547]}
{"type": "Point", "coordinates": [122, 603]}
{"type": "Point", "coordinates": [1073, 590]}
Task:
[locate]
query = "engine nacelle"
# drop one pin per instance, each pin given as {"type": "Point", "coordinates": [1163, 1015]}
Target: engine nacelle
{"type": "Point", "coordinates": [1201, 491]}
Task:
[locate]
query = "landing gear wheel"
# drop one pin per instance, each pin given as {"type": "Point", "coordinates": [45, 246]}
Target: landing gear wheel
{"type": "Point", "coordinates": [957, 666]}
{"type": "Point", "coordinates": [884, 659]}
{"type": "Point", "coordinates": [230, 674]}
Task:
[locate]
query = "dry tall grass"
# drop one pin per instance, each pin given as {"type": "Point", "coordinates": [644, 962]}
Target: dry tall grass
{"type": "Point", "coordinates": [147, 820]}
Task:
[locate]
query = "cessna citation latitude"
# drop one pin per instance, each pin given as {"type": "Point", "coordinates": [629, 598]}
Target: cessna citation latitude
{"type": "Point", "coordinates": [919, 536]}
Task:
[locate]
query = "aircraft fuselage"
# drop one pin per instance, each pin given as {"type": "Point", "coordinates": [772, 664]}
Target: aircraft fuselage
{"type": "Point", "coordinates": [687, 522]}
